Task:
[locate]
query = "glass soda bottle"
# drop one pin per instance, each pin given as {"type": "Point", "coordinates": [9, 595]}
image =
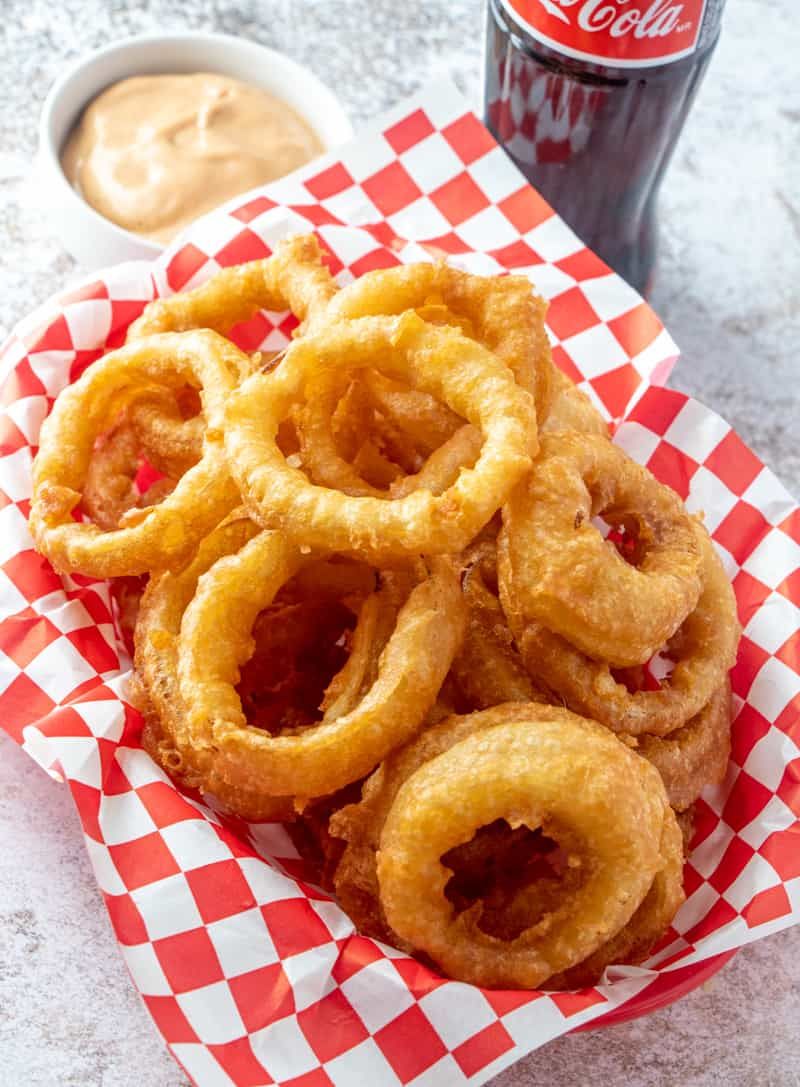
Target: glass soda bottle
{"type": "Point", "coordinates": [589, 98]}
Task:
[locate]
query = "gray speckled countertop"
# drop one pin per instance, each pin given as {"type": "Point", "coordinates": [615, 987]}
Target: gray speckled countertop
{"type": "Point", "coordinates": [728, 291]}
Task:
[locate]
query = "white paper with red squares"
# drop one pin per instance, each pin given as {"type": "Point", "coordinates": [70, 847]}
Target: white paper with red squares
{"type": "Point", "coordinates": [252, 975]}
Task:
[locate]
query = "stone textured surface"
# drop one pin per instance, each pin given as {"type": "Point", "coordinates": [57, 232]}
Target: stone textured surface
{"type": "Point", "coordinates": [727, 289]}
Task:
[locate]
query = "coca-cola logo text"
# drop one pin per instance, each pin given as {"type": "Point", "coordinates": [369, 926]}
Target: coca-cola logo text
{"type": "Point", "coordinates": [625, 31]}
{"type": "Point", "coordinates": [657, 21]}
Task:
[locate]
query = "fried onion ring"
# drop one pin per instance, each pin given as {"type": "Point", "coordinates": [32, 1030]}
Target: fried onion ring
{"type": "Point", "coordinates": [458, 371]}
{"type": "Point", "coordinates": [159, 535]}
{"type": "Point", "coordinates": [694, 755]}
{"type": "Point", "coordinates": [704, 649]}
{"type": "Point", "coordinates": [505, 315]}
{"type": "Point", "coordinates": [501, 314]}
{"type": "Point", "coordinates": [569, 579]}
{"type": "Point", "coordinates": [519, 762]}
{"type": "Point", "coordinates": [215, 641]}
{"type": "Point", "coordinates": [571, 409]}
{"type": "Point", "coordinates": [155, 689]}
{"type": "Point", "coordinates": [294, 278]}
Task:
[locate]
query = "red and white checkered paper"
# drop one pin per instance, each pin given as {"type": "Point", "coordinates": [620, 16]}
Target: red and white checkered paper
{"type": "Point", "coordinates": [252, 975]}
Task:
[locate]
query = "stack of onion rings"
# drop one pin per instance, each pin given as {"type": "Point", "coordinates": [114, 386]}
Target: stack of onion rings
{"type": "Point", "coordinates": [380, 606]}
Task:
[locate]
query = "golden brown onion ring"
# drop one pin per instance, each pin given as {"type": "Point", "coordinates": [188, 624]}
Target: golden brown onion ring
{"type": "Point", "coordinates": [458, 371]}
{"type": "Point", "coordinates": [704, 649]}
{"type": "Point", "coordinates": [505, 315]}
{"type": "Point", "coordinates": [500, 313]}
{"type": "Point", "coordinates": [164, 534]}
{"type": "Point", "coordinates": [215, 641]}
{"type": "Point", "coordinates": [522, 763]}
{"type": "Point", "coordinates": [155, 689]}
{"type": "Point", "coordinates": [569, 579]}
{"type": "Point", "coordinates": [694, 755]}
{"type": "Point", "coordinates": [294, 278]}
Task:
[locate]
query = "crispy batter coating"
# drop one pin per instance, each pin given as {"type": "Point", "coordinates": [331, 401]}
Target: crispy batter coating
{"type": "Point", "coordinates": [534, 766]}
{"type": "Point", "coordinates": [458, 371]}
{"type": "Point", "coordinates": [703, 649]}
{"type": "Point", "coordinates": [377, 604]}
{"type": "Point", "coordinates": [570, 580]}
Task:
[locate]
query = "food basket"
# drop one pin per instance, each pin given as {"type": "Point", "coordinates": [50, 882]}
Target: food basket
{"type": "Point", "coordinates": [250, 972]}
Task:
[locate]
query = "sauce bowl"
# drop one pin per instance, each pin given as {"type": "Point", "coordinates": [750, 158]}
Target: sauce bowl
{"type": "Point", "coordinates": [90, 237]}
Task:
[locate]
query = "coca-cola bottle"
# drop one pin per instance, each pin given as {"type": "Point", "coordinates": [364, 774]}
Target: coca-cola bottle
{"type": "Point", "coordinates": [589, 98]}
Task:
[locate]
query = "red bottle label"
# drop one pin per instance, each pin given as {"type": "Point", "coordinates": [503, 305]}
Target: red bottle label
{"type": "Point", "coordinates": [615, 33]}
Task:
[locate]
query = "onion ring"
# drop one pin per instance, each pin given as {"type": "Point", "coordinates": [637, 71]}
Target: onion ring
{"type": "Point", "coordinates": [501, 313]}
{"type": "Point", "coordinates": [507, 317]}
{"type": "Point", "coordinates": [633, 943]}
{"type": "Point", "coordinates": [459, 372]}
{"type": "Point", "coordinates": [340, 749]}
{"type": "Point", "coordinates": [694, 755]}
{"type": "Point", "coordinates": [519, 762]}
{"type": "Point", "coordinates": [571, 409]}
{"type": "Point", "coordinates": [161, 535]}
{"type": "Point", "coordinates": [155, 689]}
{"type": "Point", "coordinates": [704, 649]}
{"type": "Point", "coordinates": [570, 580]}
{"type": "Point", "coordinates": [294, 278]}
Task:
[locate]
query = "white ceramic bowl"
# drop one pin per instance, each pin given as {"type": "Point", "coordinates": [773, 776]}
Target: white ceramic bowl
{"type": "Point", "coordinates": [93, 239]}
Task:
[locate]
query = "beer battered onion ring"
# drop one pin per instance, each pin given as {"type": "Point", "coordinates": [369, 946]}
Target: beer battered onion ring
{"type": "Point", "coordinates": [571, 409]}
{"type": "Point", "coordinates": [506, 316]}
{"type": "Point", "coordinates": [569, 579]}
{"type": "Point", "coordinates": [703, 648]}
{"type": "Point", "coordinates": [163, 534]}
{"type": "Point", "coordinates": [294, 278]}
{"type": "Point", "coordinates": [468, 378]}
{"type": "Point", "coordinates": [215, 641]}
{"type": "Point", "coordinates": [155, 690]}
{"type": "Point", "coordinates": [694, 755]}
{"type": "Point", "coordinates": [532, 765]}
{"type": "Point", "coordinates": [502, 314]}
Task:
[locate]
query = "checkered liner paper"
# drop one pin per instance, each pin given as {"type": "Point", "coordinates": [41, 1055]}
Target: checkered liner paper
{"type": "Point", "coordinates": [253, 975]}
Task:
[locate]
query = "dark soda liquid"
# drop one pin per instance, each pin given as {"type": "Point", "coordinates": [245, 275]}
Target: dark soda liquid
{"type": "Point", "coordinates": [595, 141]}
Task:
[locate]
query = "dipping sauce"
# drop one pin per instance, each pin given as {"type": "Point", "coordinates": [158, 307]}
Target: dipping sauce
{"type": "Point", "coordinates": [152, 153]}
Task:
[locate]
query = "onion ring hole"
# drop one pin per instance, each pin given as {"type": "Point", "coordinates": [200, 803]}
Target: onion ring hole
{"type": "Point", "coordinates": [514, 876]}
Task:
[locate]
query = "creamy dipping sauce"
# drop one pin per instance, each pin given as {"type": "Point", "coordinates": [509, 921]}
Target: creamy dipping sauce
{"type": "Point", "coordinates": [152, 153]}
